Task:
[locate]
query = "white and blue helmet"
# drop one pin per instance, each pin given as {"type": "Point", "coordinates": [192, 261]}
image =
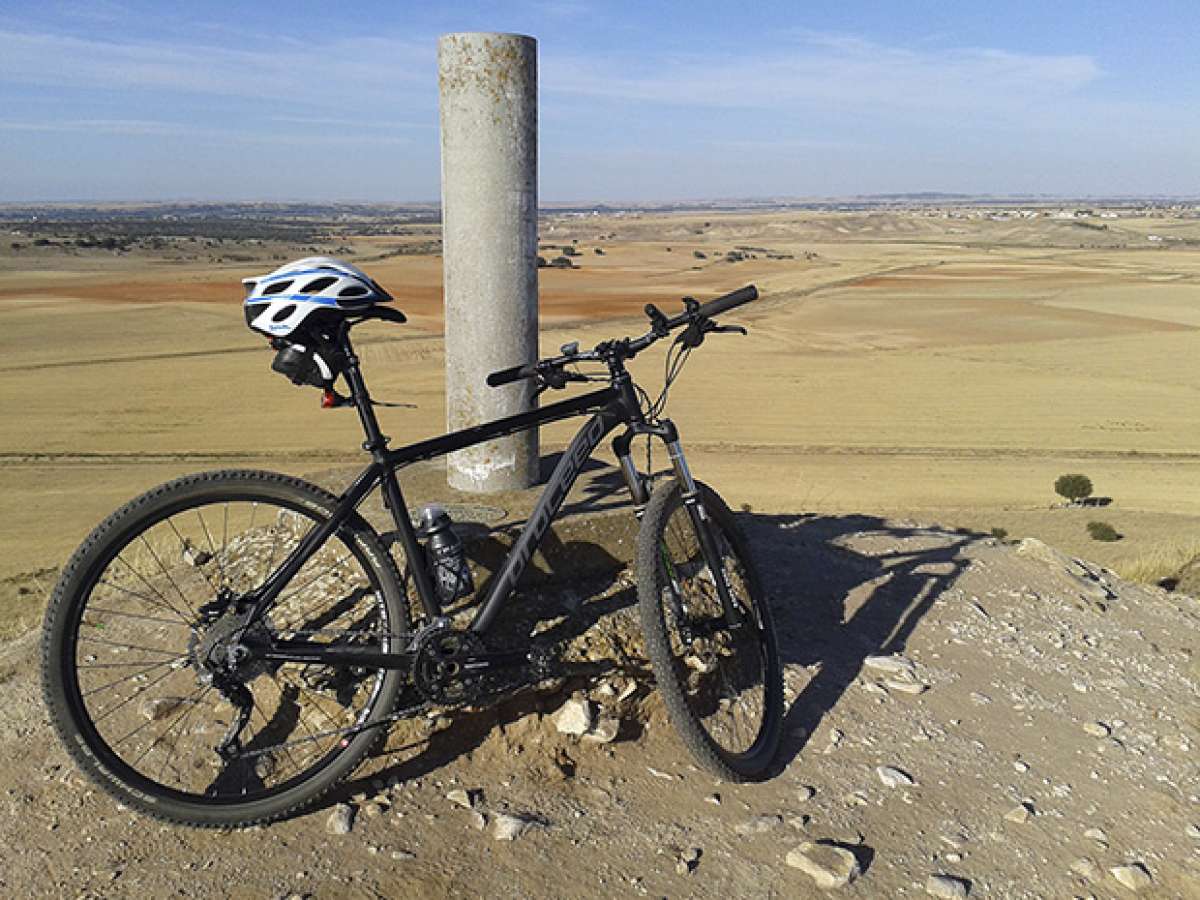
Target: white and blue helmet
{"type": "Point", "coordinates": [279, 302]}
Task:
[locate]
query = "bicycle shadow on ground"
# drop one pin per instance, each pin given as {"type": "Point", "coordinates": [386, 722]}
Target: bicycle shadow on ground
{"type": "Point", "coordinates": [845, 588]}
{"type": "Point", "coordinates": [835, 603]}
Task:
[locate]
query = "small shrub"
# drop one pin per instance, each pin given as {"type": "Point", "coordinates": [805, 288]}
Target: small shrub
{"type": "Point", "coordinates": [999, 533]}
{"type": "Point", "coordinates": [1073, 487]}
{"type": "Point", "coordinates": [699, 254]}
{"type": "Point", "coordinates": [1103, 531]}
{"type": "Point", "coordinates": [599, 251]}
{"type": "Point", "coordinates": [541, 262]}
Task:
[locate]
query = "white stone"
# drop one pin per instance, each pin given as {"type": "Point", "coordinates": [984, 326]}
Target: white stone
{"type": "Point", "coordinates": [463, 798]}
{"type": "Point", "coordinates": [947, 886]}
{"type": "Point", "coordinates": [604, 731]}
{"type": "Point", "coordinates": [576, 717]}
{"type": "Point", "coordinates": [893, 777]}
{"type": "Point", "coordinates": [1097, 729]}
{"type": "Point", "coordinates": [506, 827]}
{"type": "Point", "coordinates": [1097, 835]}
{"type": "Point", "coordinates": [804, 793]}
{"type": "Point", "coordinates": [628, 691]}
{"type": "Point", "coordinates": [1086, 868]}
{"type": "Point", "coordinates": [340, 820]}
{"type": "Point", "coordinates": [1193, 831]}
{"type": "Point", "coordinates": [1134, 876]}
{"type": "Point", "coordinates": [905, 687]}
{"type": "Point", "coordinates": [1019, 813]}
{"type": "Point", "coordinates": [825, 863]}
{"type": "Point", "coordinates": [896, 665]}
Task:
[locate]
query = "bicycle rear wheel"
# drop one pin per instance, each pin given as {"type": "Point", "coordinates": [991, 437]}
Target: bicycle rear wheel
{"type": "Point", "coordinates": [150, 592]}
{"type": "Point", "coordinates": [722, 685]}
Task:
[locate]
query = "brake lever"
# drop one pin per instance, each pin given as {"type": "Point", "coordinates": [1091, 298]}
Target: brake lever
{"type": "Point", "coordinates": [728, 329]}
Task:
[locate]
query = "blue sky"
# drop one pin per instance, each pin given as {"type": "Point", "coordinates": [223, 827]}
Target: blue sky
{"type": "Point", "coordinates": [120, 99]}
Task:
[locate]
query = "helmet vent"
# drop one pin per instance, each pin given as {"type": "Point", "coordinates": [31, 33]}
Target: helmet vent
{"type": "Point", "coordinates": [354, 290]}
{"type": "Point", "coordinates": [317, 285]}
{"type": "Point", "coordinates": [283, 312]}
{"type": "Point", "coordinates": [277, 288]}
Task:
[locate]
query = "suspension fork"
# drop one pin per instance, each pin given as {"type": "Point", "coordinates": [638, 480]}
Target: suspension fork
{"type": "Point", "coordinates": [692, 501]}
{"type": "Point", "coordinates": [694, 504]}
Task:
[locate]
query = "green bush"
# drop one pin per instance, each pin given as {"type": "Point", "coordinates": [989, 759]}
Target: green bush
{"type": "Point", "coordinates": [1103, 531]}
{"type": "Point", "coordinates": [1073, 487]}
{"type": "Point", "coordinates": [999, 533]}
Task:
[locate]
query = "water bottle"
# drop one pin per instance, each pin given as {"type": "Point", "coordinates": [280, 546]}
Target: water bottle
{"type": "Point", "coordinates": [445, 556]}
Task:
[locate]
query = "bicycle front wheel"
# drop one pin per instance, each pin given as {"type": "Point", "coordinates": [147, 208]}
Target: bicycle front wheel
{"type": "Point", "coordinates": [153, 589]}
{"type": "Point", "coordinates": [722, 683]}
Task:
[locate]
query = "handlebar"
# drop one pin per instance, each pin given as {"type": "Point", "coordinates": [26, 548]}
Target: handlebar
{"type": "Point", "coordinates": [515, 373]}
{"type": "Point", "coordinates": [729, 301]}
{"type": "Point", "coordinates": [629, 347]}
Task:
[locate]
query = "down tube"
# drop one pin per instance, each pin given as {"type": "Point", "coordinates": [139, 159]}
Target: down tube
{"type": "Point", "coordinates": [547, 508]}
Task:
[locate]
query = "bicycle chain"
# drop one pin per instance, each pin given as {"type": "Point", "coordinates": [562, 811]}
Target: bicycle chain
{"type": "Point", "coordinates": [350, 730]}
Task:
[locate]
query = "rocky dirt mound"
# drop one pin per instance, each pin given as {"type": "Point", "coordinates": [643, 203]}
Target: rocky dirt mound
{"type": "Point", "coordinates": [966, 718]}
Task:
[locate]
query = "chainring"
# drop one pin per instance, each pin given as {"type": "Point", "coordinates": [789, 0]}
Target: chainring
{"type": "Point", "coordinates": [437, 670]}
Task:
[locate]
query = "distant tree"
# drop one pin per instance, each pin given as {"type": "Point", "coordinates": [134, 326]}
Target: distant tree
{"type": "Point", "coordinates": [1103, 531]}
{"type": "Point", "coordinates": [699, 254]}
{"type": "Point", "coordinates": [999, 533]}
{"type": "Point", "coordinates": [17, 245]}
{"type": "Point", "coordinates": [568, 250]}
{"type": "Point", "coordinates": [599, 251]}
{"type": "Point", "coordinates": [1073, 487]}
{"type": "Point", "coordinates": [561, 262]}
{"type": "Point", "coordinates": [541, 262]}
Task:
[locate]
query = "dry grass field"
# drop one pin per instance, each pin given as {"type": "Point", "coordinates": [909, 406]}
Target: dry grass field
{"type": "Point", "coordinates": [901, 363]}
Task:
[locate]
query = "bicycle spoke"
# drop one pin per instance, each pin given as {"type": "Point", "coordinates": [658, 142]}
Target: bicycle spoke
{"type": "Point", "coordinates": [154, 556]}
{"type": "Point", "coordinates": [93, 640]}
{"type": "Point", "coordinates": [117, 612]}
{"type": "Point", "coordinates": [211, 546]}
{"type": "Point", "coordinates": [108, 712]}
{"type": "Point", "coordinates": [149, 667]}
{"type": "Point", "coordinates": [154, 590]}
{"type": "Point", "coordinates": [184, 547]}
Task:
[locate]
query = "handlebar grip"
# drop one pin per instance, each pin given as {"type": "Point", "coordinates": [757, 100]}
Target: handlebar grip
{"type": "Point", "coordinates": [729, 301]}
{"type": "Point", "coordinates": [514, 373]}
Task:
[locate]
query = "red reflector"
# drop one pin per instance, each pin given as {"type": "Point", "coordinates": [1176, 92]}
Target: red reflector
{"type": "Point", "coordinates": [328, 400]}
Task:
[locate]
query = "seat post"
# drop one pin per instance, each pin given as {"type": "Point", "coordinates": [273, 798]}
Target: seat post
{"type": "Point", "coordinates": [376, 442]}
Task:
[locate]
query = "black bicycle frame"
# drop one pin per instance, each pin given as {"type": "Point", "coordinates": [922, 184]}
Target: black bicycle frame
{"type": "Point", "coordinates": [609, 407]}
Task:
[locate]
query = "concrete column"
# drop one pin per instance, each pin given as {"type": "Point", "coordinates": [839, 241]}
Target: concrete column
{"type": "Point", "coordinates": [488, 85]}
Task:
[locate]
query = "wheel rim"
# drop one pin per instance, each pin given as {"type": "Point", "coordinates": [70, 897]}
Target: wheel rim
{"type": "Point", "coordinates": [721, 671]}
{"type": "Point", "coordinates": [132, 661]}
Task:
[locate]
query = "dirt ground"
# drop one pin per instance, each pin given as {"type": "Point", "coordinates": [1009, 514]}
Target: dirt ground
{"type": "Point", "coordinates": [1053, 741]}
{"type": "Point", "coordinates": [900, 368]}
{"type": "Point", "coordinates": [897, 362]}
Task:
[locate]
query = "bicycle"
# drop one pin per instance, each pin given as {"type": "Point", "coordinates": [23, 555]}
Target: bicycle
{"type": "Point", "coordinates": [225, 648]}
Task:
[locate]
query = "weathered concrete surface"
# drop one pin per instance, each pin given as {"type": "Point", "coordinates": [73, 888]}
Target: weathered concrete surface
{"type": "Point", "coordinates": [488, 85]}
